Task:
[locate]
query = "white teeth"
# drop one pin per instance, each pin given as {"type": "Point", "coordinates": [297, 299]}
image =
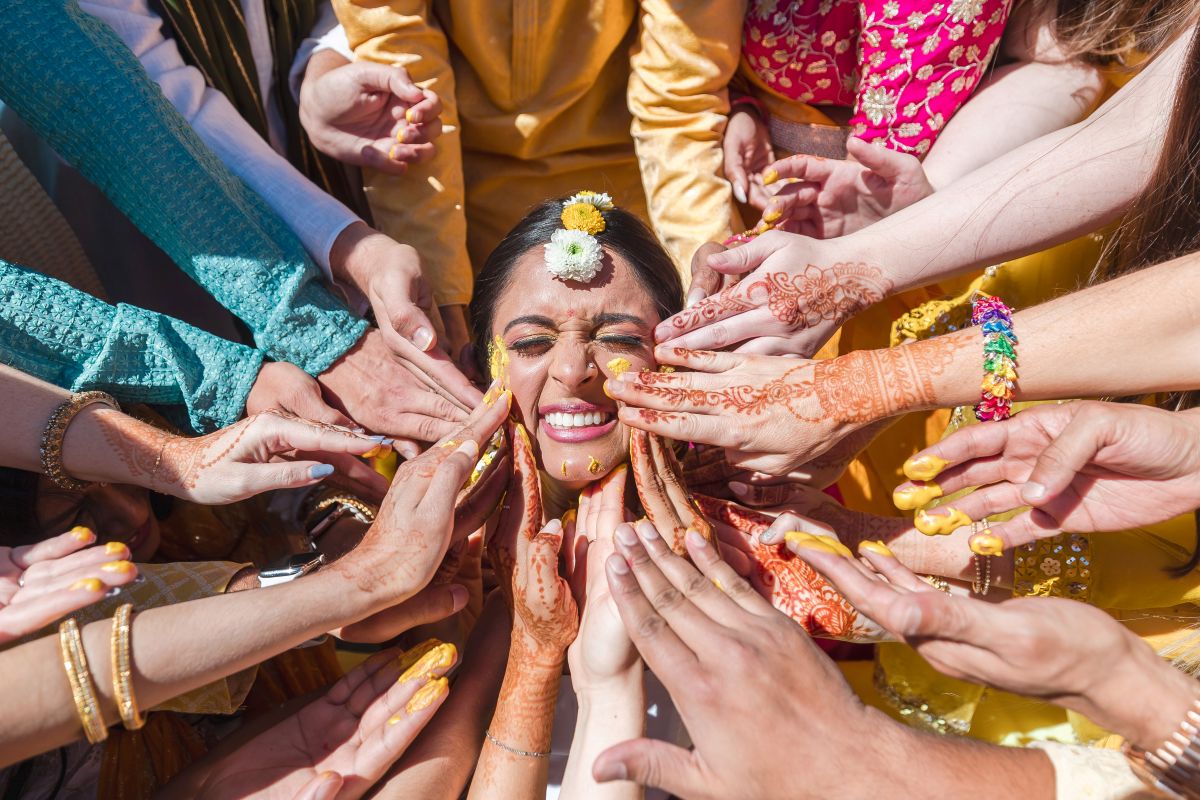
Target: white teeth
{"type": "Point", "coordinates": [561, 419]}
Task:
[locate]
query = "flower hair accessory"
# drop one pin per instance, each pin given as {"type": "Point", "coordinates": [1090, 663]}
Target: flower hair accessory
{"type": "Point", "coordinates": [574, 253]}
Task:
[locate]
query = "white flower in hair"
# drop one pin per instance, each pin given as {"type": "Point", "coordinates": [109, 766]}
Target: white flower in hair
{"type": "Point", "coordinates": [600, 200]}
{"type": "Point", "coordinates": [573, 255]}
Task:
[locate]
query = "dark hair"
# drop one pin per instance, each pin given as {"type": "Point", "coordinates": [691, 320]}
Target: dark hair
{"type": "Point", "coordinates": [623, 234]}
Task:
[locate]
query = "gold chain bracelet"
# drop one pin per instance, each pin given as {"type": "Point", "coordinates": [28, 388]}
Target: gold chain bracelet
{"type": "Point", "coordinates": [122, 668]}
{"type": "Point", "coordinates": [56, 431]}
{"type": "Point", "coordinates": [82, 689]}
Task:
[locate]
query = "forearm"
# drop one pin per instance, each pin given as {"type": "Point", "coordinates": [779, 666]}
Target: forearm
{"type": "Point", "coordinates": [1046, 192]}
{"type": "Point", "coordinates": [1143, 698]}
{"type": "Point", "coordinates": [175, 649]}
{"type": "Point", "coordinates": [523, 721]}
{"type": "Point", "coordinates": [1034, 99]}
{"type": "Point", "coordinates": [609, 713]}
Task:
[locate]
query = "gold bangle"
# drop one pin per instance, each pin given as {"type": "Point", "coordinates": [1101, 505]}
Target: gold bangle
{"type": "Point", "coordinates": [983, 565]}
{"type": "Point", "coordinates": [357, 508]}
{"type": "Point", "coordinates": [56, 431]}
{"type": "Point", "coordinates": [122, 669]}
{"type": "Point", "coordinates": [937, 582]}
{"type": "Point", "coordinates": [82, 689]}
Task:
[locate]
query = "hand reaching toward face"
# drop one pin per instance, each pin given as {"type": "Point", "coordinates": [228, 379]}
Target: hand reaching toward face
{"type": "Point", "coordinates": [1059, 650]}
{"type": "Point", "coordinates": [369, 115]}
{"type": "Point", "coordinates": [1083, 466]}
{"type": "Point", "coordinates": [794, 293]}
{"type": "Point", "coordinates": [44, 582]}
{"type": "Point", "coordinates": [748, 153]}
{"type": "Point", "coordinates": [826, 198]}
{"type": "Point", "coordinates": [339, 745]}
{"type": "Point", "coordinates": [545, 617]}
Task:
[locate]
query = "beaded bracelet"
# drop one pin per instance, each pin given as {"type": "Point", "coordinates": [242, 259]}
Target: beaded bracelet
{"type": "Point", "coordinates": [83, 691]}
{"type": "Point", "coordinates": [999, 357]}
{"type": "Point", "coordinates": [1173, 768]}
{"type": "Point", "coordinates": [513, 750]}
{"type": "Point", "coordinates": [56, 431]}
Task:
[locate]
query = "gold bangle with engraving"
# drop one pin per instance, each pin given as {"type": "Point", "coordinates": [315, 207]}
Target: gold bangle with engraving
{"type": "Point", "coordinates": [56, 431]}
{"type": "Point", "coordinates": [82, 689]}
{"type": "Point", "coordinates": [122, 669]}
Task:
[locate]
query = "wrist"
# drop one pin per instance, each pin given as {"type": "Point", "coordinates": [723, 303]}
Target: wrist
{"type": "Point", "coordinates": [1155, 698]}
{"type": "Point", "coordinates": [99, 432]}
{"type": "Point", "coordinates": [344, 261]}
{"type": "Point", "coordinates": [607, 691]}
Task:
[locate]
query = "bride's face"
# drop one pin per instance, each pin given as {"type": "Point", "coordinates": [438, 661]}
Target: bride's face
{"type": "Point", "coordinates": [560, 342]}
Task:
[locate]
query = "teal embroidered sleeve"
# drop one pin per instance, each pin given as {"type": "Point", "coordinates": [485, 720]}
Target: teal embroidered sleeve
{"type": "Point", "coordinates": [74, 82]}
{"type": "Point", "coordinates": [69, 338]}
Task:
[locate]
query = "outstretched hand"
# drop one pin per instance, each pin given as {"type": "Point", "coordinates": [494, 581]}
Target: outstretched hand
{"type": "Point", "coordinates": [1082, 466]}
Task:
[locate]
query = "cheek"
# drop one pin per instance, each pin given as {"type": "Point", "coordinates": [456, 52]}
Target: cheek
{"type": "Point", "coordinates": [526, 377]}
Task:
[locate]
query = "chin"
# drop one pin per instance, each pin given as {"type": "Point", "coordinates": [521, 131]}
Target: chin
{"type": "Point", "coordinates": [579, 463]}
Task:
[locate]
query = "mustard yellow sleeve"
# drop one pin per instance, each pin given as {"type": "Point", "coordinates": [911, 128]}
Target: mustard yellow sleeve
{"type": "Point", "coordinates": [685, 56]}
{"type": "Point", "coordinates": [424, 206]}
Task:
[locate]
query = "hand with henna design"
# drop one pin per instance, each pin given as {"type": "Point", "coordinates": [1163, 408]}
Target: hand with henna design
{"type": "Point", "coordinates": [775, 414]}
{"type": "Point", "coordinates": [1059, 650]}
{"type": "Point", "coordinates": [793, 296]}
{"type": "Point", "coordinates": [44, 582]}
{"type": "Point", "coordinates": [1083, 466]}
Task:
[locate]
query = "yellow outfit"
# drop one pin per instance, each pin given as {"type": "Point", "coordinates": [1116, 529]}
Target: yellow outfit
{"type": "Point", "coordinates": [540, 101]}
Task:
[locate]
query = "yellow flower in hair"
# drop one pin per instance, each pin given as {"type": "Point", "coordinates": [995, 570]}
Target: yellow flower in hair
{"type": "Point", "coordinates": [583, 217]}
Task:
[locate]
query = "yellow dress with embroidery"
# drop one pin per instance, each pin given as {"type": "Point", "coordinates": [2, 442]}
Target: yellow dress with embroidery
{"type": "Point", "coordinates": [540, 100]}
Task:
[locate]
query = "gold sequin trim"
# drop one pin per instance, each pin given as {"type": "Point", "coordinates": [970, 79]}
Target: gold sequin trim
{"type": "Point", "coordinates": [1056, 567]}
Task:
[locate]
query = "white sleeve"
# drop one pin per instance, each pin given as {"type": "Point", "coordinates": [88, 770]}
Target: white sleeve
{"type": "Point", "coordinates": [1092, 773]}
{"type": "Point", "coordinates": [316, 218]}
{"type": "Point", "coordinates": [327, 34]}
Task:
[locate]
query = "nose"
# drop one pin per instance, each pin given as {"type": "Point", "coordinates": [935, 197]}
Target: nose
{"type": "Point", "coordinates": [573, 366]}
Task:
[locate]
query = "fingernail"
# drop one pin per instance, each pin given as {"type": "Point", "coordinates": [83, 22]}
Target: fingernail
{"type": "Point", "coordinates": [408, 116]}
{"type": "Point", "coordinates": [770, 176]}
{"type": "Point", "coordinates": [119, 567]}
{"type": "Point", "coordinates": [82, 534]}
{"type": "Point", "coordinates": [414, 653]}
{"type": "Point", "coordinates": [738, 488]}
{"type": "Point", "coordinates": [612, 772]}
{"type": "Point", "coordinates": [986, 543]}
{"type": "Point", "coordinates": [625, 534]}
{"type": "Point", "coordinates": [617, 565]}
{"type": "Point", "coordinates": [320, 471]}
{"type": "Point", "coordinates": [568, 517]}
{"type": "Point", "coordinates": [940, 524]}
{"type": "Point", "coordinates": [87, 585]}
{"type": "Point", "coordinates": [924, 468]}
{"type": "Point", "coordinates": [459, 596]}
{"type": "Point", "coordinates": [115, 548]}
{"type": "Point", "coordinates": [377, 450]}
{"type": "Point", "coordinates": [739, 193]}
{"type": "Point", "coordinates": [438, 657]}
{"type": "Point", "coordinates": [382, 440]}
{"type": "Point", "coordinates": [647, 531]}
{"type": "Point", "coordinates": [610, 389]}
{"type": "Point", "coordinates": [814, 541]}
{"type": "Point", "coordinates": [423, 339]}
{"type": "Point", "coordinates": [618, 366]}
{"type": "Point", "coordinates": [695, 296]}
{"type": "Point", "coordinates": [772, 215]}
{"type": "Point", "coordinates": [910, 498]}
{"type": "Point", "coordinates": [427, 695]}
{"type": "Point", "coordinates": [694, 538]}
{"type": "Point", "coordinates": [1032, 492]}
{"type": "Point", "coordinates": [470, 447]}
{"type": "Point", "coordinates": [409, 451]}
{"type": "Point", "coordinates": [877, 547]}
{"type": "Point", "coordinates": [553, 526]}
{"type": "Point", "coordinates": [401, 135]}
{"type": "Point", "coordinates": [392, 153]}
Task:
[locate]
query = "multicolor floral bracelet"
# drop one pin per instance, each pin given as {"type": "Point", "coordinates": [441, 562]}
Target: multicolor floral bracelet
{"type": "Point", "coordinates": [999, 357]}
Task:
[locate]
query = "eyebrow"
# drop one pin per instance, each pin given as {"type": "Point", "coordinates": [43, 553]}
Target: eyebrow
{"type": "Point", "coordinates": [600, 321]}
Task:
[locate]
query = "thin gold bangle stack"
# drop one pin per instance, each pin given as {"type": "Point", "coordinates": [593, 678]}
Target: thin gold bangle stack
{"type": "Point", "coordinates": [983, 565]}
{"type": "Point", "coordinates": [83, 688]}
{"type": "Point", "coordinates": [56, 431]}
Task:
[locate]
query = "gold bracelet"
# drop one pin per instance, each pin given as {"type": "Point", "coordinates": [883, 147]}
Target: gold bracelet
{"type": "Point", "coordinates": [56, 431]}
{"type": "Point", "coordinates": [82, 689]}
{"type": "Point", "coordinates": [983, 565]}
{"type": "Point", "coordinates": [356, 508]}
{"type": "Point", "coordinates": [122, 669]}
{"type": "Point", "coordinates": [937, 582]}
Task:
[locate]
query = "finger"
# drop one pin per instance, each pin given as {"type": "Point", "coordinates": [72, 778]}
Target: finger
{"type": "Point", "coordinates": [279, 435]}
{"type": "Point", "coordinates": [680, 427]}
{"type": "Point", "coordinates": [706, 592]}
{"type": "Point", "coordinates": [89, 558]}
{"type": "Point", "coordinates": [357, 475]}
{"type": "Point", "coordinates": [21, 619]}
{"type": "Point", "coordinates": [373, 78]}
{"type": "Point", "coordinates": [408, 320]}
{"type": "Point", "coordinates": [690, 624]}
{"type": "Point", "coordinates": [803, 167]}
{"type": "Point", "coordinates": [728, 584]}
{"type": "Point", "coordinates": [650, 762]}
{"type": "Point", "coordinates": [974, 441]}
{"type": "Point", "coordinates": [890, 606]}
{"type": "Point", "coordinates": [53, 548]}
{"type": "Point", "coordinates": [705, 280]}
{"type": "Point", "coordinates": [431, 604]}
{"type": "Point", "coordinates": [324, 786]}
{"type": "Point", "coordinates": [437, 370]}
{"type": "Point", "coordinates": [405, 133]}
{"type": "Point", "coordinates": [735, 173]}
{"type": "Point", "coordinates": [664, 652]}
{"type": "Point", "coordinates": [988, 501]}
{"type": "Point", "coordinates": [730, 329]}
{"type": "Point", "coordinates": [884, 562]}
{"type": "Point", "coordinates": [376, 156]}
{"type": "Point", "coordinates": [1063, 459]}
{"type": "Point", "coordinates": [1028, 526]}
{"type": "Point", "coordinates": [787, 522]}
{"type": "Point", "coordinates": [609, 503]}
{"type": "Point", "coordinates": [792, 202]}
{"type": "Point", "coordinates": [453, 471]}
{"type": "Point", "coordinates": [698, 360]}
{"type": "Point", "coordinates": [424, 109]}
{"type": "Point", "coordinates": [884, 162]}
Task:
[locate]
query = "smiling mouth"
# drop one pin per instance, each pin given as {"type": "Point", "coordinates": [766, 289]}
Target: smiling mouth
{"type": "Point", "coordinates": [577, 426]}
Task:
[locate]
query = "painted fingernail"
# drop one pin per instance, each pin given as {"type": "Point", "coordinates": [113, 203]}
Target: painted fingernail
{"type": "Point", "coordinates": [877, 547]}
{"type": "Point", "coordinates": [440, 657]}
{"type": "Point", "coordinates": [427, 695]}
{"type": "Point", "coordinates": [924, 468]}
{"type": "Point", "coordinates": [408, 116]}
{"type": "Point", "coordinates": [910, 498]}
{"type": "Point", "coordinates": [986, 543]}
{"type": "Point", "coordinates": [647, 531]}
{"type": "Point", "coordinates": [612, 772]}
{"type": "Point", "coordinates": [1032, 492]}
{"type": "Point", "coordinates": [376, 451]}
{"type": "Point", "coordinates": [772, 215]}
{"type": "Point", "coordinates": [320, 471]}
{"type": "Point", "coordinates": [940, 524]}
{"type": "Point", "coordinates": [414, 653]}
{"type": "Point", "coordinates": [82, 534]}
{"type": "Point", "coordinates": [569, 516]}
{"type": "Point", "coordinates": [696, 295]}
{"type": "Point", "coordinates": [770, 176]}
{"type": "Point", "coordinates": [625, 534]}
{"type": "Point", "coordinates": [401, 135]}
{"type": "Point", "coordinates": [87, 585]}
{"type": "Point", "coordinates": [392, 153]}
{"type": "Point", "coordinates": [618, 366]}
{"type": "Point", "coordinates": [119, 567]}
{"type": "Point", "coordinates": [115, 548]}
{"type": "Point", "coordinates": [617, 565]}
{"type": "Point", "coordinates": [694, 538]}
{"type": "Point", "coordinates": [739, 193]}
{"type": "Point", "coordinates": [423, 339]}
{"type": "Point", "coordinates": [798, 540]}
{"type": "Point", "coordinates": [470, 447]}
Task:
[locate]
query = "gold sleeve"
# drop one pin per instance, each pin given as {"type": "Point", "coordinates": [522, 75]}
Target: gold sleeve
{"type": "Point", "coordinates": [424, 206]}
{"type": "Point", "coordinates": [685, 56]}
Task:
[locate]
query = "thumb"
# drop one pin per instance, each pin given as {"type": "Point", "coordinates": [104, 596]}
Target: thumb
{"type": "Point", "coordinates": [1059, 463]}
{"type": "Point", "coordinates": [887, 164]}
{"type": "Point", "coordinates": [400, 83]}
{"type": "Point", "coordinates": [411, 322]}
{"type": "Point", "coordinates": [735, 172]}
{"type": "Point", "coordinates": [650, 762]}
{"type": "Point", "coordinates": [705, 281]}
{"type": "Point", "coordinates": [323, 787]}
{"type": "Point", "coordinates": [749, 256]}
